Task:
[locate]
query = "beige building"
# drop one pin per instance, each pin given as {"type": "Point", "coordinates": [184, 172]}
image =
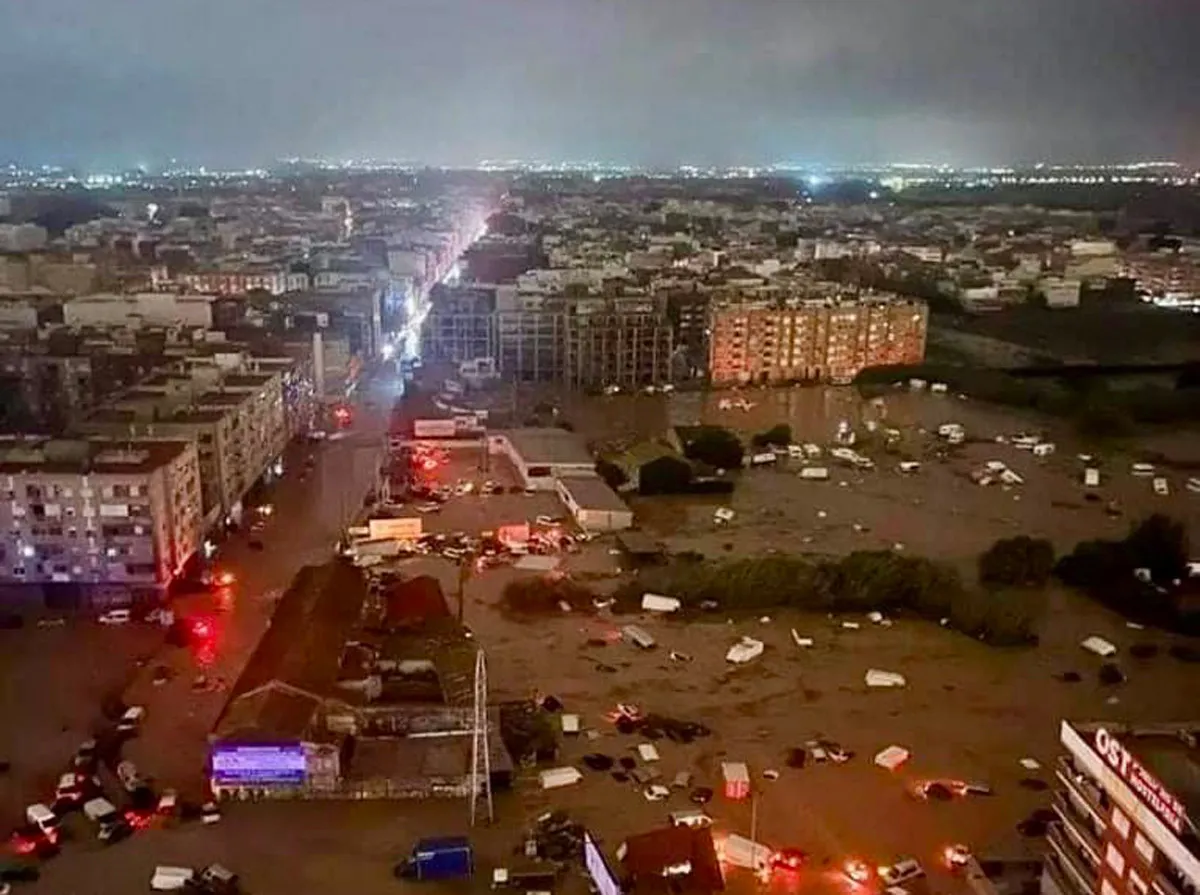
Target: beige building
{"type": "Point", "coordinates": [154, 308]}
{"type": "Point", "coordinates": [235, 418]}
{"type": "Point", "coordinates": [815, 341]}
{"type": "Point", "coordinates": [94, 521]}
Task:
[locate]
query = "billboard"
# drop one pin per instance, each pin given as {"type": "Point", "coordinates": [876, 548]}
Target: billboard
{"type": "Point", "coordinates": [404, 529]}
{"type": "Point", "coordinates": [258, 764]}
{"type": "Point", "coordinates": [597, 868]}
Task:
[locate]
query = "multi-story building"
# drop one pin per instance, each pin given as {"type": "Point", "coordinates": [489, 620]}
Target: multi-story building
{"type": "Point", "coordinates": [623, 342]}
{"type": "Point", "coordinates": [93, 521]}
{"type": "Point", "coordinates": [583, 341]}
{"type": "Point", "coordinates": [276, 281]}
{"type": "Point", "coordinates": [460, 325]}
{"type": "Point", "coordinates": [1127, 801]}
{"type": "Point", "coordinates": [814, 341]}
{"type": "Point", "coordinates": [236, 419]}
{"type": "Point", "coordinates": [688, 314]}
{"type": "Point", "coordinates": [153, 308]}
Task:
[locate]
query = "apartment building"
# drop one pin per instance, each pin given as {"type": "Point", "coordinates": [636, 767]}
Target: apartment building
{"type": "Point", "coordinates": [152, 308]}
{"type": "Point", "coordinates": [236, 419]}
{"type": "Point", "coordinates": [688, 314]}
{"type": "Point", "coordinates": [91, 521]}
{"type": "Point", "coordinates": [1127, 801]}
{"type": "Point", "coordinates": [825, 341]}
{"type": "Point", "coordinates": [625, 342]}
{"type": "Point", "coordinates": [461, 324]}
{"type": "Point", "coordinates": [276, 281]}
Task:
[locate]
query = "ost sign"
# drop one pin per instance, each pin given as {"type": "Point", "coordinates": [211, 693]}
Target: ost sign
{"type": "Point", "coordinates": [1142, 782]}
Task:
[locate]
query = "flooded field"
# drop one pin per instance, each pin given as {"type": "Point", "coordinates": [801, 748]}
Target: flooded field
{"type": "Point", "coordinates": [938, 511]}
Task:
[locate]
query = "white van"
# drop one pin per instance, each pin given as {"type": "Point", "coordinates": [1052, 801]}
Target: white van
{"type": "Point", "coordinates": [1161, 488]}
{"type": "Point", "coordinates": [42, 817]}
{"type": "Point", "coordinates": [815, 473]}
{"type": "Point", "coordinates": [1091, 477]}
{"type": "Point", "coordinates": [1142, 469]}
{"type": "Point", "coordinates": [171, 879]}
{"type": "Point", "coordinates": [116, 617]}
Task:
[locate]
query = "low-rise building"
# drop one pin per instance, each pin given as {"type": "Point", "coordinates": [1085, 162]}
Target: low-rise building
{"type": "Point", "coordinates": [94, 521]}
{"type": "Point", "coordinates": [543, 456]}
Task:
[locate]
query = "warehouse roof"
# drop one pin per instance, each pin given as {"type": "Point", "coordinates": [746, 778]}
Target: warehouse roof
{"type": "Point", "coordinates": [548, 446]}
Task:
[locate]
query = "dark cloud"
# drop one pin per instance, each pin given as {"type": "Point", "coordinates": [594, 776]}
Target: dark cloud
{"type": "Point", "coordinates": [233, 81]}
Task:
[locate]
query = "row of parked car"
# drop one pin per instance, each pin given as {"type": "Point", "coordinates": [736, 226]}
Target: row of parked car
{"type": "Point", "coordinates": [80, 789]}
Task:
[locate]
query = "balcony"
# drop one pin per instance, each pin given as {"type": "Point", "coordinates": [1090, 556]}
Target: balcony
{"type": "Point", "coordinates": [1082, 824]}
{"type": "Point", "coordinates": [1087, 793]}
{"type": "Point", "coordinates": [1067, 858]}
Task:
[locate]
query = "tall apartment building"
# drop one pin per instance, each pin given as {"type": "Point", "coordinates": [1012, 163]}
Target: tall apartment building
{"type": "Point", "coordinates": [461, 324]}
{"type": "Point", "coordinates": [94, 521]}
{"type": "Point", "coordinates": [623, 341]}
{"type": "Point", "coordinates": [814, 341]}
{"type": "Point", "coordinates": [688, 313]}
{"type": "Point", "coordinates": [237, 420]}
{"type": "Point", "coordinates": [1127, 801]}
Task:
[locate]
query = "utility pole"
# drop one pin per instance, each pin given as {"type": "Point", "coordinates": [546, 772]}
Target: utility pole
{"type": "Point", "coordinates": [465, 569]}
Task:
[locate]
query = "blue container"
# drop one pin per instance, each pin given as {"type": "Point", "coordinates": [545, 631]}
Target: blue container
{"type": "Point", "coordinates": [440, 858]}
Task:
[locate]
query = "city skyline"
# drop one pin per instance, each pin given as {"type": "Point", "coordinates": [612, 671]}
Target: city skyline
{"type": "Point", "coordinates": [709, 83]}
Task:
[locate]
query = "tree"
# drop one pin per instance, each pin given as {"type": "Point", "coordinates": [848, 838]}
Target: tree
{"type": "Point", "coordinates": [1017, 562]}
{"type": "Point", "coordinates": [776, 436]}
{"type": "Point", "coordinates": [715, 446]}
{"type": "Point", "coordinates": [665, 475]}
{"type": "Point", "coordinates": [613, 475]}
{"type": "Point", "coordinates": [1160, 544]}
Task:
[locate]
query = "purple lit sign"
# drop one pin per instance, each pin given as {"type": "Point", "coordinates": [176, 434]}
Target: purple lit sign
{"type": "Point", "coordinates": [258, 765]}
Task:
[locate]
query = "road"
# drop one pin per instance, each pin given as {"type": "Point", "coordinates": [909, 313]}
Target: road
{"type": "Point", "coordinates": [309, 513]}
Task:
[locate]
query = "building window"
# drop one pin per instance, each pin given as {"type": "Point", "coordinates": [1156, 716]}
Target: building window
{"type": "Point", "coordinates": [1137, 885]}
{"type": "Point", "coordinates": [1120, 822]}
{"type": "Point", "coordinates": [1144, 848]}
{"type": "Point", "coordinates": [1114, 859]}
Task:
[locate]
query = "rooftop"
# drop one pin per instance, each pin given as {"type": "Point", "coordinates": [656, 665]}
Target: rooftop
{"type": "Point", "coordinates": [593, 493]}
{"type": "Point", "coordinates": [1171, 753]}
{"type": "Point", "coordinates": [86, 456]}
{"type": "Point", "coordinates": [302, 648]}
{"type": "Point", "coordinates": [548, 446]}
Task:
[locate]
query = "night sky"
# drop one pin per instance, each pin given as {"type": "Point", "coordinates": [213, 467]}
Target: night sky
{"type": "Point", "coordinates": [239, 82]}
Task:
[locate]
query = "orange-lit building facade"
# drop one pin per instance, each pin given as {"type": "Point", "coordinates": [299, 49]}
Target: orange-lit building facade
{"type": "Point", "coordinates": [1126, 803]}
{"type": "Point", "coordinates": [816, 341]}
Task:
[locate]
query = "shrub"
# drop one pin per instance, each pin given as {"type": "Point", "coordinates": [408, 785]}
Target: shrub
{"type": "Point", "coordinates": [1160, 544]}
{"type": "Point", "coordinates": [613, 475]}
{"type": "Point", "coordinates": [665, 475]}
{"type": "Point", "coordinates": [542, 595]}
{"type": "Point", "coordinates": [1105, 570]}
{"type": "Point", "coordinates": [776, 436]}
{"type": "Point", "coordinates": [715, 446]}
{"type": "Point", "coordinates": [1017, 562]}
{"type": "Point", "coordinates": [859, 582]}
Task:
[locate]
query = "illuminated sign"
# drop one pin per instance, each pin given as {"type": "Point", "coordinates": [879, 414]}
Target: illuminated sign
{"type": "Point", "coordinates": [258, 765]}
{"type": "Point", "coordinates": [1147, 787]}
{"type": "Point", "coordinates": [597, 868]}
